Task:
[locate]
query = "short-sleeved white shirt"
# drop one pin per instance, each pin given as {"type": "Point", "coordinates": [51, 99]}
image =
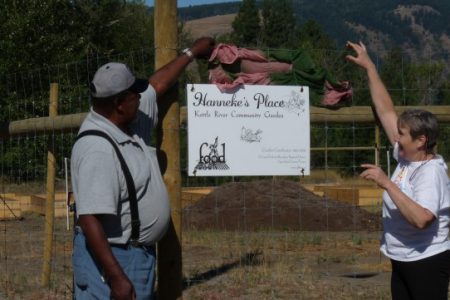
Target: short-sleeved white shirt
{"type": "Point", "coordinates": [426, 183]}
{"type": "Point", "coordinates": [98, 182]}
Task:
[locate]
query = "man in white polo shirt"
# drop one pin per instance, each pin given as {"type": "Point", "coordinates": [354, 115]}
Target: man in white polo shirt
{"type": "Point", "coordinates": [113, 256]}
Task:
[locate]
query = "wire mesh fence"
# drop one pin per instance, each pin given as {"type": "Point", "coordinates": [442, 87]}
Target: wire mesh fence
{"type": "Point", "coordinates": [312, 237]}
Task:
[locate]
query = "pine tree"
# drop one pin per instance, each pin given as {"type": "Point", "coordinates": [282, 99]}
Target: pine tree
{"type": "Point", "coordinates": [279, 23]}
{"type": "Point", "coordinates": [312, 36]}
{"type": "Point", "coordinates": [246, 24]}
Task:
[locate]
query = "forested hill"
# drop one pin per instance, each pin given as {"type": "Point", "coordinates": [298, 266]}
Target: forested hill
{"type": "Point", "coordinates": [420, 27]}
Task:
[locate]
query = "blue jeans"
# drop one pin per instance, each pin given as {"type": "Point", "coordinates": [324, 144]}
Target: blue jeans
{"type": "Point", "coordinates": [138, 263]}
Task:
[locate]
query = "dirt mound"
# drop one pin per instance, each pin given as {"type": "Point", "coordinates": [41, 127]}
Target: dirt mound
{"type": "Point", "coordinates": [280, 204]}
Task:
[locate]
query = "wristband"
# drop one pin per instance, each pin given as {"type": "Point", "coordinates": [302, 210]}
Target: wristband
{"type": "Point", "coordinates": [188, 53]}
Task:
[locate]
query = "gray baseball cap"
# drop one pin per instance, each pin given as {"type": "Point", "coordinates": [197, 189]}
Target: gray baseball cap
{"type": "Point", "coordinates": [113, 78]}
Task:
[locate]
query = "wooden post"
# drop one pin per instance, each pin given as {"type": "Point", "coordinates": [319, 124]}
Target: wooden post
{"type": "Point", "coordinates": [169, 248]}
{"type": "Point", "coordinates": [50, 203]}
{"type": "Point", "coordinates": [377, 144]}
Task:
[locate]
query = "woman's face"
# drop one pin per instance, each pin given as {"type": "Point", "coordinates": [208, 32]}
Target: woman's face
{"type": "Point", "coordinates": [409, 148]}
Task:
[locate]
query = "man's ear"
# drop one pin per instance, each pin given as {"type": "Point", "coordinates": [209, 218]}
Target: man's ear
{"type": "Point", "coordinates": [118, 105]}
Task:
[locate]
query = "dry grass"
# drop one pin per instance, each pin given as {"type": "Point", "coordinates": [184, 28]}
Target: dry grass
{"type": "Point", "coordinates": [21, 259]}
{"type": "Point", "coordinates": [210, 26]}
{"type": "Point", "coordinates": [284, 265]}
{"type": "Point", "coordinates": [218, 265]}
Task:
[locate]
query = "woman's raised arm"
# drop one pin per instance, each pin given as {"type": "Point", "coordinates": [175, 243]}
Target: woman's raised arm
{"type": "Point", "coordinates": [380, 96]}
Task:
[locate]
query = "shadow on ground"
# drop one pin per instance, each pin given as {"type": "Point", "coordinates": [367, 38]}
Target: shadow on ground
{"type": "Point", "coordinates": [249, 259]}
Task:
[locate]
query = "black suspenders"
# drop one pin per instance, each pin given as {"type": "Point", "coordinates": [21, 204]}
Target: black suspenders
{"type": "Point", "coordinates": [135, 222]}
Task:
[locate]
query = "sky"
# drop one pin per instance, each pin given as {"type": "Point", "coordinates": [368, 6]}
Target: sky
{"type": "Point", "coordinates": [184, 3]}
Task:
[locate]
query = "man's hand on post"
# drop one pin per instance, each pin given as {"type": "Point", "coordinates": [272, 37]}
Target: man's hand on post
{"type": "Point", "coordinates": [203, 47]}
{"type": "Point", "coordinates": [166, 76]}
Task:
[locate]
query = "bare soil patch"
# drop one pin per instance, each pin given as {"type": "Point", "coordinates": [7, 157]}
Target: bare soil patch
{"type": "Point", "coordinates": [276, 205]}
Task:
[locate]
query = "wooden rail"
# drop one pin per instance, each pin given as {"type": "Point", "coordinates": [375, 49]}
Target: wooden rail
{"type": "Point", "coordinates": [353, 114]}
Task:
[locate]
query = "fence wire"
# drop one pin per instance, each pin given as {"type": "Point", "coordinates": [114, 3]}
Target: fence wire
{"type": "Point", "coordinates": [312, 237]}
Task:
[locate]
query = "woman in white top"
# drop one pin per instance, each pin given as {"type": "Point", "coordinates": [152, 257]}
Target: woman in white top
{"type": "Point", "coordinates": [416, 201]}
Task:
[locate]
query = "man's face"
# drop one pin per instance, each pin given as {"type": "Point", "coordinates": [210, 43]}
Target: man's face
{"type": "Point", "coordinates": [130, 106]}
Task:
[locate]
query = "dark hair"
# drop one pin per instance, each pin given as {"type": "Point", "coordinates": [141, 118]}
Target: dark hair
{"type": "Point", "coordinates": [421, 122]}
{"type": "Point", "coordinates": [109, 100]}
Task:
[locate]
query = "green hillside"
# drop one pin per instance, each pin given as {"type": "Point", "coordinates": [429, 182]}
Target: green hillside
{"type": "Point", "coordinates": [419, 27]}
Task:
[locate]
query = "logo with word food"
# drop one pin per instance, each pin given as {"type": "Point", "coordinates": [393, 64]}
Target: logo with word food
{"type": "Point", "coordinates": [211, 156]}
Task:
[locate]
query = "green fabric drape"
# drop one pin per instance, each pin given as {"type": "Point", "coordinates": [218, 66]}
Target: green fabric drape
{"type": "Point", "coordinates": [304, 72]}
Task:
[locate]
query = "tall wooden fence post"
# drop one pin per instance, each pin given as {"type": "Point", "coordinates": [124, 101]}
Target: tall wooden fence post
{"type": "Point", "coordinates": [377, 144]}
{"type": "Point", "coordinates": [50, 203]}
{"type": "Point", "coordinates": [169, 248]}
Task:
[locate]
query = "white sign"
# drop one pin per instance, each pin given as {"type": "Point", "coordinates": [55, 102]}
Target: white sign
{"type": "Point", "coordinates": [258, 130]}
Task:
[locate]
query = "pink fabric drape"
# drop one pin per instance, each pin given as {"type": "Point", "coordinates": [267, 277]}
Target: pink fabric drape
{"type": "Point", "coordinates": [256, 69]}
{"type": "Point", "coordinates": [333, 95]}
{"type": "Point", "coordinates": [228, 54]}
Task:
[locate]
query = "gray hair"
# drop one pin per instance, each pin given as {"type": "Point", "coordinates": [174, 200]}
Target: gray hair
{"type": "Point", "coordinates": [421, 122]}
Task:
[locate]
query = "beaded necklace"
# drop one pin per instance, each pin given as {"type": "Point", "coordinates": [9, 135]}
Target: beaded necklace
{"type": "Point", "coordinates": [400, 178]}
